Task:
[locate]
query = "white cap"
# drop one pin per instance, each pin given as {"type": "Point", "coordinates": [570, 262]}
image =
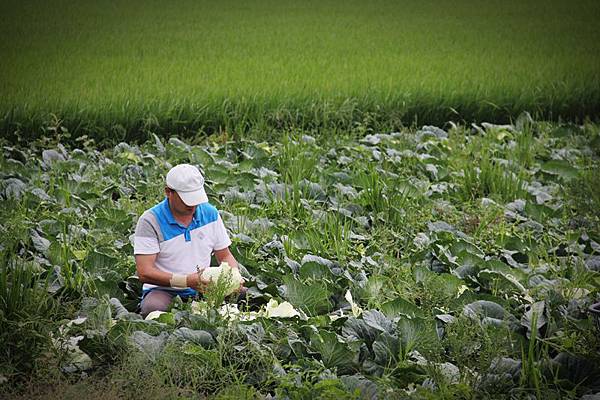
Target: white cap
{"type": "Point", "coordinates": [188, 182]}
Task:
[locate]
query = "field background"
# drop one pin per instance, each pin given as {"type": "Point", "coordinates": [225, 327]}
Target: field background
{"type": "Point", "coordinates": [452, 261]}
{"type": "Point", "coordinates": [201, 65]}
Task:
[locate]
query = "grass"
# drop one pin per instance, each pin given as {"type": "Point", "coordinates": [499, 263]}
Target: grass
{"type": "Point", "coordinates": [489, 178]}
{"type": "Point", "coordinates": [27, 313]}
{"type": "Point", "coordinates": [113, 69]}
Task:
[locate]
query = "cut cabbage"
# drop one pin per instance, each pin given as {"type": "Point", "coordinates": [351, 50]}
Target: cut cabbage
{"type": "Point", "coordinates": [154, 315]}
{"type": "Point", "coordinates": [356, 310]}
{"type": "Point", "coordinates": [283, 310]}
{"type": "Point", "coordinates": [226, 272]}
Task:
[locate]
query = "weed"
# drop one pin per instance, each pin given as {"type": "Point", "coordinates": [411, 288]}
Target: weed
{"type": "Point", "coordinates": [531, 374]}
{"type": "Point", "coordinates": [197, 371]}
{"type": "Point", "coordinates": [28, 316]}
{"type": "Point", "coordinates": [330, 235]}
{"type": "Point", "coordinates": [526, 147]}
{"type": "Point", "coordinates": [584, 197]}
{"type": "Point", "coordinates": [296, 161]}
{"type": "Point", "coordinates": [474, 345]}
{"type": "Point", "coordinates": [489, 178]}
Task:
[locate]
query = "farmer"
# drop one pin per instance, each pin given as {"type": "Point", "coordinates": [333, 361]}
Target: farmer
{"type": "Point", "coordinates": [174, 241]}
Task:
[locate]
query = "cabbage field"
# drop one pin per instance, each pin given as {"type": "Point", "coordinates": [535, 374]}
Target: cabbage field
{"type": "Point", "coordinates": [427, 263]}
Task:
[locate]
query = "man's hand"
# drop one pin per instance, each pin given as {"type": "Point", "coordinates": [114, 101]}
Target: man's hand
{"type": "Point", "coordinates": [241, 288]}
{"type": "Point", "coordinates": [196, 282]}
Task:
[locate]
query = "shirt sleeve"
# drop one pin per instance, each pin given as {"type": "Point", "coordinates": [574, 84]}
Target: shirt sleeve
{"type": "Point", "coordinates": [145, 240]}
{"type": "Point", "coordinates": [221, 238]}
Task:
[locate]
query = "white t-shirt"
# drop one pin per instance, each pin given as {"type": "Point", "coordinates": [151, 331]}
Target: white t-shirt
{"type": "Point", "coordinates": [180, 249]}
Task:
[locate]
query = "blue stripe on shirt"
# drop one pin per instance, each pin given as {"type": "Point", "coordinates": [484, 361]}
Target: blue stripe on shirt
{"type": "Point", "coordinates": [205, 214]}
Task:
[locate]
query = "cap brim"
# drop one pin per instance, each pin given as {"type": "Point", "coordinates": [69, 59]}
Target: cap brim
{"type": "Point", "coordinates": [193, 198]}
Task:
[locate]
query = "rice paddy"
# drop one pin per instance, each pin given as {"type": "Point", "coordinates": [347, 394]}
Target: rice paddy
{"type": "Point", "coordinates": [104, 67]}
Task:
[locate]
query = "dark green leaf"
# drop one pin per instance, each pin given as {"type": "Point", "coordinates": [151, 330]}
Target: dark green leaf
{"type": "Point", "coordinates": [377, 320]}
{"type": "Point", "coordinates": [386, 349]}
{"type": "Point", "coordinates": [316, 271]}
{"type": "Point", "coordinates": [561, 168]}
{"type": "Point", "coordinates": [400, 307]}
{"type": "Point", "coordinates": [357, 329]}
{"type": "Point", "coordinates": [414, 333]}
{"type": "Point", "coordinates": [198, 337]}
{"type": "Point", "coordinates": [150, 346]}
{"type": "Point", "coordinates": [312, 299]}
{"type": "Point", "coordinates": [334, 352]}
{"type": "Point", "coordinates": [366, 389]}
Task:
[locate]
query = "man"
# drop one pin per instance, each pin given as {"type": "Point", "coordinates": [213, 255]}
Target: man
{"type": "Point", "coordinates": [174, 241]}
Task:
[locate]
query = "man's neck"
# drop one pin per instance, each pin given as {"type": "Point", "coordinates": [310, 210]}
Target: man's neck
{"type": "Point", "coordinates": [184, 219]}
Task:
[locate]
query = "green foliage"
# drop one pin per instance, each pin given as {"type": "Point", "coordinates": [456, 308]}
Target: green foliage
{"type": "Point", "coordinates": [526, 147]}
{"type": "Point", "coordinates": [584, 196]}
{"type": "Point", "coordinates": [489, 178]}
{"type": "Point", "coordinates": [194, 370]}
{"type": "Point", "coordinates": [312, 297]}
{"type": "Point", "coordinates": [27, 318]}
{"type": "Point", "coordinates": [242, 392]}
{"type": "Point", "coordinates": [330, 235]}
{"type": "Point", "coordinates": [296, 160]}
{"type": "Point", "coordinates": [309, 380]}
{"type": "Point", "coordinates": [474, 346]}
{"type": "Point", "coordinates": [410, 277]}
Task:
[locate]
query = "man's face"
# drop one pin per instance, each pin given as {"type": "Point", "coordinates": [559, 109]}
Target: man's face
{"type": "Point", "coordinates": [178, 207]}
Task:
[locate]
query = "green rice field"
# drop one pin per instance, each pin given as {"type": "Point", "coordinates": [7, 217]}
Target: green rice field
{"type": "Point", "coordinates": [115, 67]}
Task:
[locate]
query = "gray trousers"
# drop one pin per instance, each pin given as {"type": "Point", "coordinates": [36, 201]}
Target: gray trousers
{"type": "Point", "coordinates": [156, 300]}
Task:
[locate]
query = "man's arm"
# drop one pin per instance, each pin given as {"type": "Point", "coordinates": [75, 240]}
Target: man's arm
{"type": "Point", "coordinates": [224, 255]}
{"type": "Point", "coordinates": [148, 273]}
